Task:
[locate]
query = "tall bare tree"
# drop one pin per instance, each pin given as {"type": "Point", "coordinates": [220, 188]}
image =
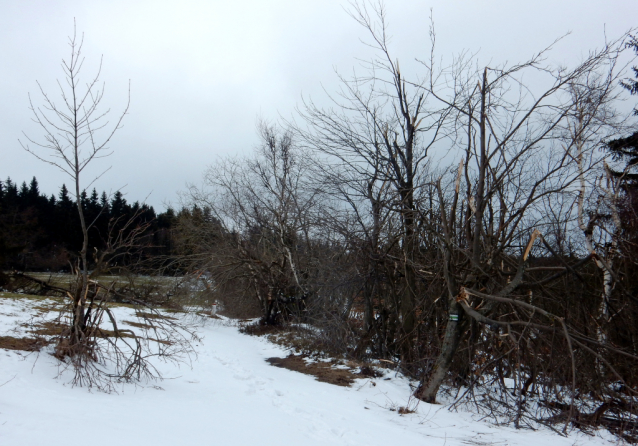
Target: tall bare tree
{"type": "Point", "coordinates": [76, 132]}
{"type": "Point", "coordinates": [383, 126]}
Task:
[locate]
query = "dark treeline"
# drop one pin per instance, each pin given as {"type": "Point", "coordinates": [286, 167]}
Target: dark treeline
{"type": "Point", "coordinates": [40, 232]}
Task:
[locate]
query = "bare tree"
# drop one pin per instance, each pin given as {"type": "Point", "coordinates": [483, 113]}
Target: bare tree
{"type": "Point", "coordinates": [259, 211]}
{"type": "Point", "coordinates": [383, 127]}
{"type": "Point", "coordinates": [475, 267]}
{"type": "Point", "coordinates": [459, 222]}
{"type": "Point", "coordinates": [507, 134]}
{"type": "Point", "coordinates": [76, 132]}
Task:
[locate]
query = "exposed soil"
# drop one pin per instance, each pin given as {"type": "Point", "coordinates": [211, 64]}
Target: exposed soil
{"type": "Point", "coordinates": [322, 371]}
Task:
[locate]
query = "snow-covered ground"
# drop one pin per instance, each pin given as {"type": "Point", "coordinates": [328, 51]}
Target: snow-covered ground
{"type": "Point", "coordinates": [230, 396]}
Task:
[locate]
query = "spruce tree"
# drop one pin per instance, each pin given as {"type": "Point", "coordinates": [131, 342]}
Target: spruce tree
{"type": "Point", "coordinates": [626, 149]}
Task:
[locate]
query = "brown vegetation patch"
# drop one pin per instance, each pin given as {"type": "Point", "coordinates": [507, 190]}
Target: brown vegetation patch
{"type": "Point", "coordinates": [100, 333]}
{"type": "Point", "coordinates": [52, 328]}
{"type": "Point", "coordinates": [322, 371]}
{"type": "Point", "coordinates": [139, 325]}
{"type": "Point", "coordinates": [293, 337]}
{"type": "Point", "coordinates": [47, 309]}
{"type": "Point", "coordinates": [368, 372]}
{"type": "Point", "coordinates": [305, 342]}
{"type": "Point", "coordinates": [175, 311]}
{"type": "Point", "coordinates": [301, 342]}
{"type": "Point", "coordinates": [49, 328]}
{"type": "Point", "coordinates": [147, 315]}
{"type": "Point", "coordinates": [9, 295]}
{"type": "Point", "coordinates": [26, 344]}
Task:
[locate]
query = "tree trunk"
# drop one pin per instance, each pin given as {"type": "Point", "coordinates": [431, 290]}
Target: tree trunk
{"type": "Point", "coordinates": [428, 389]}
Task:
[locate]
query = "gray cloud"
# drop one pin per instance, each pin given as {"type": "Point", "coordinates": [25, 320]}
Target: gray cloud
{"type": "Point", "coordinates": [202, 71]}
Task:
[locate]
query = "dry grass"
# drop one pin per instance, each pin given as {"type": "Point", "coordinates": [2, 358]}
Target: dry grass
{"type": "Point", "coordinates": [139, 325]}
{"type": "Point", "coordinates": [53, 328]}
{"type": "Point", "coordinates": [175, 311]}
{"type": "Point", "coordinates": [46, 309]}
{"type": "Point", "coordinates": [299, 339]}
{"type": "Point", "coordinates": [25, 344]}
{"type": "Point", "coordinates": [147, 315]}
{"type": "Point", "coordinates": [305, 342]}
{"type": "Point", "coordinates": [261, 330]}
{"type": "Point", "coordinates": [322, 371]}
{"type": "Point", "coordinates": [48, 328]}
{"type": "Point", "coordinates": [16, 296]}
{"type": "Point", "coordinates": [65, 280]}
{"type": "Point", "coordinates": [368, 372]}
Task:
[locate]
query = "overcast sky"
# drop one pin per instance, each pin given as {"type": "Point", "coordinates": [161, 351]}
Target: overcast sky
{"type": "Point", "coordinates": [203, 72]}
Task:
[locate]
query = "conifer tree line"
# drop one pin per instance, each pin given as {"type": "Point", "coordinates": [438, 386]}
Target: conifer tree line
{"type": "Point", "coordinates": [42, 233]}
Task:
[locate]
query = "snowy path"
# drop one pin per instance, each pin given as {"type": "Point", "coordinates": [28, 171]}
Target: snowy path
{"type": "Point", "coordinates": [231, 396]}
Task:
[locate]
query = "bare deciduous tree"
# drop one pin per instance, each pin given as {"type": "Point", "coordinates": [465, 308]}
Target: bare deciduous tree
{"type": "Point", "coordinates": [476, 235]}
{"type": "Point", "coordinates": [76, 132]}
{"type": "Point", "coordinates": [383, 127]}
{"type": "Point", "coordinates": [73, 138]}
{"type": "Point", "coordinates": [259, 212]}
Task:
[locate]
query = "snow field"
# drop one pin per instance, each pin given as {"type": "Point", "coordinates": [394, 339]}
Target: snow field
{"type": "Point", "coordinates": [230, 396]}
